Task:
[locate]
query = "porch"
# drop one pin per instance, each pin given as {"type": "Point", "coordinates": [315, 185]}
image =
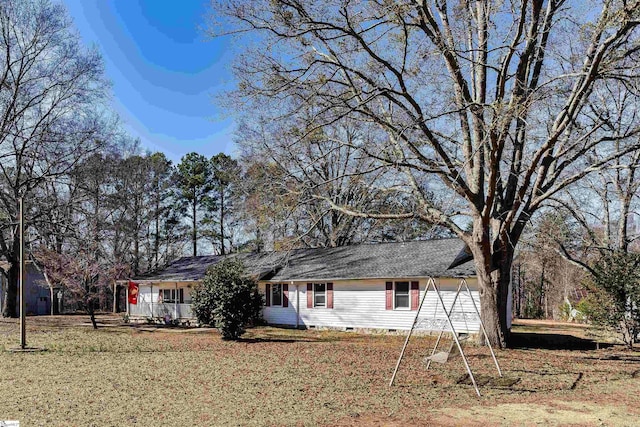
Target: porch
{"type": "Point", "coordinates": [161, 300]}
{"type": "Point", "coordinates": [160, 310]}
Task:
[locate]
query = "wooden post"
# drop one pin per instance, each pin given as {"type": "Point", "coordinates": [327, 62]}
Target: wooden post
{"type": "Point", "coordinates": [297, 305]}
{"type": "Point", "coordinates": [23, 305]}
{"type": "Point", "coordinates": [175, 304]}
{"type": "Point", "coordinates": [115, 297]}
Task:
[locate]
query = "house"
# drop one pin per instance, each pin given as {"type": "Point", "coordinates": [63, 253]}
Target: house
{"type": "Point", "coordinates": [371, 286]}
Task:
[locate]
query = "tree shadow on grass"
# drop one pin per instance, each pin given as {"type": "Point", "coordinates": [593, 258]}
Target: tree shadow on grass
{"type": "Point", "coordinates": [274, 340]}
{"type": "Point", "coordinates": [529, 340]}
{"type": "Point", "coordinates": [285, 339]}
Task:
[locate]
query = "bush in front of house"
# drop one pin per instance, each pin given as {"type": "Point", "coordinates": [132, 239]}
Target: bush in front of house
{"type": "Point", "coordinates": [227, 299]}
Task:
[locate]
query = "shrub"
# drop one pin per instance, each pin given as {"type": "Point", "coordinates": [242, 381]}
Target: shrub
{"type": "Point", "coordinates": [570, 314]}
{"type": "Point", "coordinates": [614, 295]}
{"type": "Point", "coordinates": [227, 299]}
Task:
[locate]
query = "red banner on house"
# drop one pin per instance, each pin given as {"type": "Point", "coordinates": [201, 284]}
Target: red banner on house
{"type": "Point", "coordinates": [133, 292]}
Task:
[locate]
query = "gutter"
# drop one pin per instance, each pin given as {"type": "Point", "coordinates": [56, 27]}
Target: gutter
{"type": "Point", "coordinates": [324, 279]}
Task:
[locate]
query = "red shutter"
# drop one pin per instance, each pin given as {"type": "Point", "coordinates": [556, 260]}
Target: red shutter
{"type": "Point", "coordinates": [415, 295]}
{"type": "Point", "coordinates": [285, 295]}
{"type": "Point", "coordinates": [309, 295]}
{"type": "Point", "coordinates": [389, 295]}
{"type": "Point", "coordinates": [267, 295]}
{"type": "Point", "coordinates": [329, 295]}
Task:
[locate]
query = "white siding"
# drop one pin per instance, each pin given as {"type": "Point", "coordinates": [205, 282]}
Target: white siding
{"type": "Point", "coordinates": [463, 315]}
{"type": "Point", "coordinates": [356, 304]}
{"type": "Point", "coordinates": [361, 304]}
{"type": "Point", "coordinates": [149, 306]}
{"type": "Point", "coordinates": [143, 307]}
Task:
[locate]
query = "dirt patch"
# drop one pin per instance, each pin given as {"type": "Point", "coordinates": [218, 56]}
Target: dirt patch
{"type": "Point", "coordinates": [552, 414]}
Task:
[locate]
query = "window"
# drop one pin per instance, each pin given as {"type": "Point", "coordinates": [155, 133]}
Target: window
{"type": "Point", "coordinates": [276, 294]}
{"type": "Point", "coordinates": [169, 295]}
{"type": "Point", "coordinates": [401, 295]}
{"type": "Point", "coordinates": [319, 294]}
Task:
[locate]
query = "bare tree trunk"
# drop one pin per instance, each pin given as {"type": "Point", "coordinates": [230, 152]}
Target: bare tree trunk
{"type": "Point", "coordinates": [518, 302]}
{"type": "Point", "coordinates": [222, 221]}
{"type": "Point", "coordinates": [623, 223]}
{"type": "Point", "coordinates": [494, 303]}
{"type": "Point", "coordinates": [136, 255]}
{"type": "Point", "coordinates": [10, 303]}
{"type": "Point", "coordinates": [493, 269]}
{"type": "Point", "coordinates": [541, 300]}
{"type": "Point", "coordinates": [194, 235]}
{"type": "Point", "coordinates": [92, 315]}
{"type": "Point", "coordinates": [116, 298]}
{"type": "Point", "coordinates": [156, 242]}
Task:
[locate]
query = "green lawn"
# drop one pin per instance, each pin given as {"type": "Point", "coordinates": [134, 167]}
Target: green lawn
{"type": "Point", "coordinates": [147, 376]}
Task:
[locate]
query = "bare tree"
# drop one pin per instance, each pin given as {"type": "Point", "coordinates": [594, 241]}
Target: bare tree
{"type": "Point", "coordinates": [324, 166]}
{"type": "Point", "coordinates": [547, 281]}
{"type": "Point", "coordinates": [604, 209]}
{"type": "Point", "coordinates": [51, 116]}
{"type": "Point", "coordinates": [483, 101]}
{"type": "Point", "coordinates": [84, 277]}
{"type": "Point", "coordinates": [605, 206]}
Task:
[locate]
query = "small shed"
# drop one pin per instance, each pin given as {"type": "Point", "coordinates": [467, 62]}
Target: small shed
{"type": "Point", "coordinates": [38, 295]}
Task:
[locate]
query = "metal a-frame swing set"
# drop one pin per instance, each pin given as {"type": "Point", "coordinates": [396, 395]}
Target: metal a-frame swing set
{"type": "Point", "coordinates": [447, 326]}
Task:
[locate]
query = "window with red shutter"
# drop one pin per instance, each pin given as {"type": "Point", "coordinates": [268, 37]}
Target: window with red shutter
{"type": "Point", "coordinates": [309, 295]}
{"type": "Point", "coordinates": [319, 295]}
{"type": "Point", "coordinates": [401, 296]}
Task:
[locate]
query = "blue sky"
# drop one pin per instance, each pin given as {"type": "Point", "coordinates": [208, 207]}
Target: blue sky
{"type": "Point", "coordinates": [164, 71]}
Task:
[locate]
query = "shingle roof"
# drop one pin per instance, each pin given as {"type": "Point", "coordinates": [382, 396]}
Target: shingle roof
{"type": "Point", "coordinates": [366, 261]}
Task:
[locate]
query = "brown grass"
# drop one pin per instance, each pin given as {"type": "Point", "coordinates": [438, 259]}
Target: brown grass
{"type": "Point", "coordinates": [150, 376]}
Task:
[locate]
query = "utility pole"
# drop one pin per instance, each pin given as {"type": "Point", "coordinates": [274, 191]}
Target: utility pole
{"type": "Point", "coordinates": [23, 305]}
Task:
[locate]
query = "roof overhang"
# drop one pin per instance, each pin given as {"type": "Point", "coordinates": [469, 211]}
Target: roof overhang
{"type": "Point", "coordinates": [329, 279]}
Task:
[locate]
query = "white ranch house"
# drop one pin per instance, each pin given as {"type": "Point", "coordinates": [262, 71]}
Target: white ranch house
{"type": "Point", "coordinates": [369, 286]}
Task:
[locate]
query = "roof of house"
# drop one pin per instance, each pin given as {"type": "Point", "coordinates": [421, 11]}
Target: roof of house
{"type": "Point", "coordinates": [425, 258]}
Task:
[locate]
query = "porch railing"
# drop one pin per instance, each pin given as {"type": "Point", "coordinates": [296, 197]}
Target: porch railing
{"type": "Point", "coordinates": [160, 310]}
